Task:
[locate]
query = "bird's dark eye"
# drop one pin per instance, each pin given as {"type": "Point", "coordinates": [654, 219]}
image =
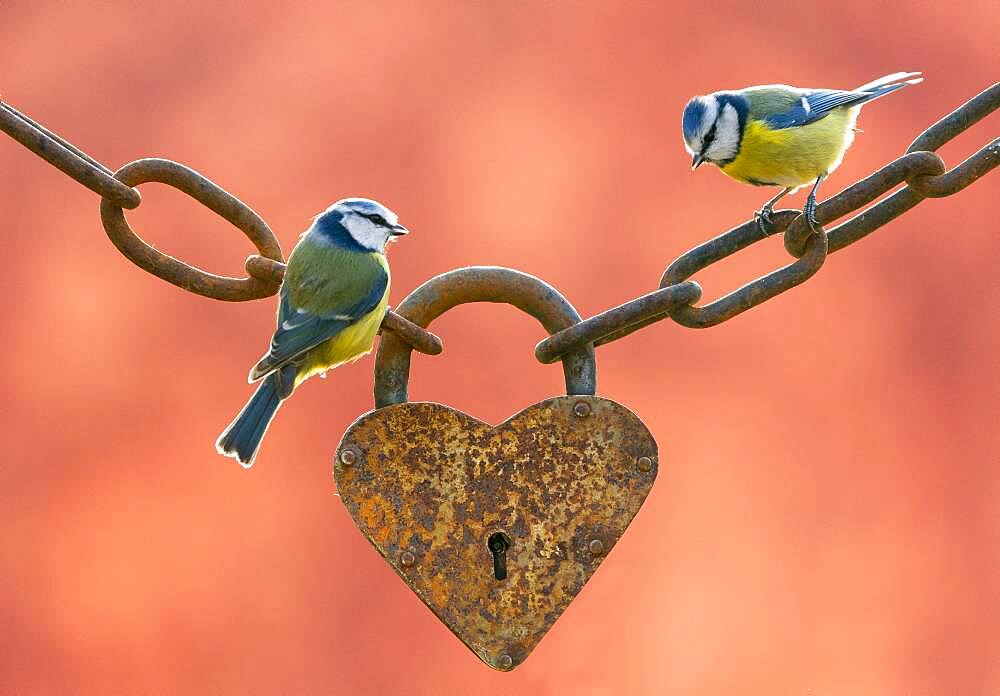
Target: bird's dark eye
{"type": "Point", "coordinates": [709, 137]}
{"type": "Point", "coordinates": [378, 220]}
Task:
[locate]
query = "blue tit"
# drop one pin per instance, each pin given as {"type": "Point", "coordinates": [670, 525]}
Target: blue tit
{"type": "Point", "coordinates": [332, 301]}
{"type": "Point", "coordinates": [776, 135]}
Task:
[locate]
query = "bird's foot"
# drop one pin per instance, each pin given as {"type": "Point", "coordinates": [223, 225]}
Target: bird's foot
{"type": "Point", "coordinates": [810, 213]}
{"type": "Point", "coordinates": [810, 210]}
{"type": "Point", "coordinates": [765, 218]}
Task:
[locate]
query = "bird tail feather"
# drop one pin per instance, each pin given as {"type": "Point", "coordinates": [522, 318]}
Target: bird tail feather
{"type": "Point", "coordinates": [888, 84]}
{"type": "Point", "coordinates": [242, 438]}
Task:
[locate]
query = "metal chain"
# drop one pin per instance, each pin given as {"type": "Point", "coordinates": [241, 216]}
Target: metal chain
{"type": "Point", "coordinates": [924, 173]}
{"type": "Point", "coordinates": [920, 168]}
{"type": "Point", "coordinates": [117, 192]}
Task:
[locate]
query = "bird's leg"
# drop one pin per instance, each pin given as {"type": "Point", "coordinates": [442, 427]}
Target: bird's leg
{"type": "Point", "coordinates": [764, 216]}
{"type": "Point", "coordinates": [810, 209]}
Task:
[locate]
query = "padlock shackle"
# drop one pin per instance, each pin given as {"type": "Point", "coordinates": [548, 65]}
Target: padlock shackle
{"type": "Point", "coordinates": [480, 284]}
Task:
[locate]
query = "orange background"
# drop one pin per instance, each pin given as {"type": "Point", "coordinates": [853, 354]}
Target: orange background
{"type": "Point", "coordinates": [826, 517]}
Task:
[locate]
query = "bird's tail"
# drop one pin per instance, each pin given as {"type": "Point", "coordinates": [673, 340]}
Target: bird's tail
{"type": "Point", "coordinates": [242, 438]}
{"type": "Point", "coordinates": [888, 84]}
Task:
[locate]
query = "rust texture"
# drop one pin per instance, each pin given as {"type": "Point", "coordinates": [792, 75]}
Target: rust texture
{"type": "Point", "coordinates": [742, 299]}
{"type": "Point", "coordinates": [66, 157]}
{"type": "Point", "coordinates": [920, 168]}
{"type": "Point", "coordinates": [211, 196]}
{"type": "Point", "coordinates": [429, 487]}
{"type": "Point", "coordinates": [481, 284]}
{"type": "Point", "coordinates": [924, 173]}
{"type": "Point", "coordinates": [497, 529]}
{"type": "Point", "coordinates": [751, 294]}
{"type": "Point", "coordinates": [593, 329]}
{"type": "Point", "coordinates": [416, 337]}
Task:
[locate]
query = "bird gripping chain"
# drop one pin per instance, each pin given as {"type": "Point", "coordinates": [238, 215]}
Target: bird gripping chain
{"type": "Point", "coordinates": [496, 529]}
{"type": "Point", "coordinates": [447, 499]}
{"type": "Point", "coordinates": [923, 172]}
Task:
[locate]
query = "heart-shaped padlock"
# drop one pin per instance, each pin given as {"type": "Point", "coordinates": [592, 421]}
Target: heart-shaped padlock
{"type": "Point", "coordinates": [496, 529]}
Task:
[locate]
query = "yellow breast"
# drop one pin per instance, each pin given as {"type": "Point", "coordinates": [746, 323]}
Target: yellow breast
{"type": "Point", "coordinates": [350, 344]}
{"type": "Point", "coordinates": [355, 341]}
{"type": "Point", "coordinates": [792, 157]}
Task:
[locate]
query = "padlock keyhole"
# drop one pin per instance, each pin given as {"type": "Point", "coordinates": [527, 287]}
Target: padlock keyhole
{"type": "Point", "coordinates": [498, 544]}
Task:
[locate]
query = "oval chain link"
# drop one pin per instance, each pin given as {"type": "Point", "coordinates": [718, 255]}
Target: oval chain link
{"type": "Point", "coordinates": [923, 172]}
{"type": "Point", "coordinates": [212, 197]}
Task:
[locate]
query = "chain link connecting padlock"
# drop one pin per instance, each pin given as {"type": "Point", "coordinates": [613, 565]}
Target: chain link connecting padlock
{"type": "Point", "coordinates": [526, 486]}
{"type": "Point", "coordinates": [496, 529]}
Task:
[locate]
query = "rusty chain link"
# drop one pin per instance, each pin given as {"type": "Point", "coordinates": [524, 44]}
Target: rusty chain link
{"type": "Point", "coordinates": [923, 172]}
{"type": "Point", "coordinates": [117, 191]}
{"type": "Point", "coordinates": [212, 197]}
{"type": "Point", "coordinates": [66, 157]}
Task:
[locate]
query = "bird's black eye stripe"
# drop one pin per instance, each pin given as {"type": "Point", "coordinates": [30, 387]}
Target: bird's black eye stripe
{"type": "Point", "coordinates": [376, 218]}
{"type": "Point", "coordinates": [707, 140]}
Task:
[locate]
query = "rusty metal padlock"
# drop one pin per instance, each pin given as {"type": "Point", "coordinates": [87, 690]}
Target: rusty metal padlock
{"type": "Point", "coordinates": [496, 529]}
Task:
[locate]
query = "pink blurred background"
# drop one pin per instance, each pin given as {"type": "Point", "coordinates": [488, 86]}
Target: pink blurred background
{"type": "Point", "coordinates": [826, 516]}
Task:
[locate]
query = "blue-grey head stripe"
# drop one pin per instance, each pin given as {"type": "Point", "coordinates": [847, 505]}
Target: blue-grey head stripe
{"type": "Point", "coordinates": [330, 226]}
{"type": "Point", "coordinates": [693, 114]}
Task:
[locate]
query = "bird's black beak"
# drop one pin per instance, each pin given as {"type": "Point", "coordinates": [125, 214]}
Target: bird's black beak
{"type": "Point", "coordinates": [696, 162]}
{"type": "Point", "coordinates": [398, 231]}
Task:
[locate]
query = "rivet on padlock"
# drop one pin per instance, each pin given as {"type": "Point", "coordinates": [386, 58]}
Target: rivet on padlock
{"type": "Point", "coordinates": [507, 522]}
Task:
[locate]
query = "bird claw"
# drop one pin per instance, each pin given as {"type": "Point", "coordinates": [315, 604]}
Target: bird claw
{"type": "Point", "coordinates": [764, 218]}
{"type": "Point", "coordinates": [810, 213]}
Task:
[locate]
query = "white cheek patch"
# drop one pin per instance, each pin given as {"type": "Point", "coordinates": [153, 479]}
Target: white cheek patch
{"type": "Point", "coordinates": [711, 112]}
{"type": "Point", "coordinates": [365, 232]}
{"type": "Point", "coordinates": [726, 143]}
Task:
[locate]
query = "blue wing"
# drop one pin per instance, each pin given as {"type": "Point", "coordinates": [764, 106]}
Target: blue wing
{"type": "Point", "coordinates": [299, 330]}
{"type": "Point", "coordinates": [814, 105]}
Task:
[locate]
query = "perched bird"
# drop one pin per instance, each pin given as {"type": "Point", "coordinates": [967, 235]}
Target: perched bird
{"type": "Point", "coordinates": [332, 300]}
{"type": "Point", "coordinates": [776, 135]}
